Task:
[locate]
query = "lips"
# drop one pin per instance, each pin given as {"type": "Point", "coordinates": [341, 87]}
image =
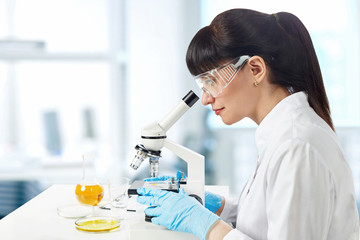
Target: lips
{"type": "Point", "coordinates": [218, 110]}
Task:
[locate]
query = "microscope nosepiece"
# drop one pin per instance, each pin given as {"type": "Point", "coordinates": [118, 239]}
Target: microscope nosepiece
{"type": "Point", "coordinates": [143, 153]}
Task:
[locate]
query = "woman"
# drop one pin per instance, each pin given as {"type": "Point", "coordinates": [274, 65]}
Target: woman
{"type": "Point", "coordinates": [302, 187]}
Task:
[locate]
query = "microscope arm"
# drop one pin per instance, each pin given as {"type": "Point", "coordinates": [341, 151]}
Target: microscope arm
{"type": "Point", "coordinates": [153, 138]}
{"type": "Point", "coordinates": [195, 168]}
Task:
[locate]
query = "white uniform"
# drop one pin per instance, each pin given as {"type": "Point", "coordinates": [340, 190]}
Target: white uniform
{"type": "Point", "coordinates": [302, 187]}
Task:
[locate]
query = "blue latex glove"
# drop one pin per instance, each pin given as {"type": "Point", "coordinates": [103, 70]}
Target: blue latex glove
{"type": "Point", "coordinates": [177, 211]}
{"type": "Point", "coordinates": [212, 201]}
{"type": "Point", "coordinates": [179, 175]}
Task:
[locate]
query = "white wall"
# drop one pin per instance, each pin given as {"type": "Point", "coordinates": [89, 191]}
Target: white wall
{"type": "Point", "coordinates": [158, 33]}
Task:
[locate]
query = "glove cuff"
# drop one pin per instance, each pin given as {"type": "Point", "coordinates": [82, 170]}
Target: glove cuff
{"type": "Point", "coordinates": [212, 201]}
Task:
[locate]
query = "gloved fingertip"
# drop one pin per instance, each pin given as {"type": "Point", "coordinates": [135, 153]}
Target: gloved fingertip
{"type": "Point", "coordinates": [140, 199]}
{"type": "Point", "coordinates": [140, 191]}
{"type": "Point", "coordinates": [146, 200]}
{"type": "Point", "coordinates": [151, 211]}
{"type": "Point", "coordinates": [155, 220]}
{"type": "Point", "coordinates": [179, 175]}
{"type": "Point", "coordinates": [182, 191]}
{"type": "Point", "coordinates": [154, 192]}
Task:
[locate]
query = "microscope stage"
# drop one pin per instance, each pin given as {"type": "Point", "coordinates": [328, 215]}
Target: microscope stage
{"type": "Point", "coordinates": [163, 185]}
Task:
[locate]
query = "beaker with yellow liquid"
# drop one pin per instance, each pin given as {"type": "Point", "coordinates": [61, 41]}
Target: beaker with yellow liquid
{"type": "Point", "coordinates": [89, 191]}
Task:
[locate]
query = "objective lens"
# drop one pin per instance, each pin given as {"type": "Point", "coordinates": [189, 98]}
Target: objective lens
{"type": "Point", "coordinates": [138, 159]}
{"type": "Point", "coordinates": [141, 154]}
{"type": "Point", "coordinates": [154, 167]}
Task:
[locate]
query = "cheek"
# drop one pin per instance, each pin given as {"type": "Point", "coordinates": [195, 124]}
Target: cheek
{"type": "Point", "coordinates": [243, 98]}
{"type": "Point", "coordinates": [243, 105]}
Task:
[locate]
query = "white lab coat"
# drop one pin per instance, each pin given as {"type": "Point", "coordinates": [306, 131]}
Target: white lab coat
{"type": "Point", "coordinates": [302, 187]}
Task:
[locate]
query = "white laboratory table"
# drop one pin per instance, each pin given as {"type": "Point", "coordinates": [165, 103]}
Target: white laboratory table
{"type": "Point", "coordinates": [38, 219]}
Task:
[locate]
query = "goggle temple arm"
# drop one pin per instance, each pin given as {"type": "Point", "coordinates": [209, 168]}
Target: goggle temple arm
{"type": "Point", "coordinates": [242, 61]}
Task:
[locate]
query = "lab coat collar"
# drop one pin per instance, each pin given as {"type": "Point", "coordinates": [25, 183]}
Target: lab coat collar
{"type": "Point", "coordinates": [275, 121]}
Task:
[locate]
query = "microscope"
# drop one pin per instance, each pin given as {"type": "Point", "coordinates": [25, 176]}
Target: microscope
{"type": "Point", "coordinates": [153, 138]}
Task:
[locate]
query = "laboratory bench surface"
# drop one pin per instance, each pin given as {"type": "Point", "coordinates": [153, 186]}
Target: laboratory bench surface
{"type": "Point", "coordinates": [38, 219]}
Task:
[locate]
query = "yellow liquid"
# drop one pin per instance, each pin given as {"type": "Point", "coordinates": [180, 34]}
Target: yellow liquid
{"type": "Point", "coordinates": [89, 194]}
{"type": "Point", "coordinates": [98, 225]}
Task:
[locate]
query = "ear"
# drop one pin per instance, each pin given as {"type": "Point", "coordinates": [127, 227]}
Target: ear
{"type": "Point", "coordinates": [258, 68]}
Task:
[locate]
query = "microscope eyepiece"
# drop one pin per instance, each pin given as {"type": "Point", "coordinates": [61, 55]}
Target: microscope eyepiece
{"type": "Point", "coordinates": [191, 98]}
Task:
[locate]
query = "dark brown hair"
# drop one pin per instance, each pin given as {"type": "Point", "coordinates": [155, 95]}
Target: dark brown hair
{"type": "Point", "coordinates": [280, 39]}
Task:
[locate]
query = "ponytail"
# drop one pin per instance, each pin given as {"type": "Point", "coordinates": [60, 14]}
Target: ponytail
{"type": "Point", "coordinates": [314, 86]}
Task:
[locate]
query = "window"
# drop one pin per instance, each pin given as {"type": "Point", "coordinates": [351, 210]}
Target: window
{"type": "Point", "coordinates": [58, 66]}
{"type": "Point", "coordinates": [64, 26]}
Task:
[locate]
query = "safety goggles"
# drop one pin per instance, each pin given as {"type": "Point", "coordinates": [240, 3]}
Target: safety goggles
{"type": "Point", "coordinates": [214, 81]}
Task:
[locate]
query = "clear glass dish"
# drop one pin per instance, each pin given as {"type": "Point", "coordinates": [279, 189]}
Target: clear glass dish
{"type": "Point", "coordinates": [74, 210]}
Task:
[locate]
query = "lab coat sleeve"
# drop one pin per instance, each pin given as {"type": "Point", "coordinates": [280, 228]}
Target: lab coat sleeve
{"type": "Point", "coordinates": [229, 213]}
{"type": "Point", "coordinates": [300, 193]}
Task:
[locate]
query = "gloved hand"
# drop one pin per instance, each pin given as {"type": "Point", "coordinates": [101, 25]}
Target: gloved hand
{"type": "Point", "coordinates": [212, 201]}
{"type": "Point", "coordinates": [177, 211]}
{"type": "Point", "coordinates": [179, 175]}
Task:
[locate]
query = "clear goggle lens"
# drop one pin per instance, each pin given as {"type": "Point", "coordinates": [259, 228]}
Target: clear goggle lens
{"type": "Point", "coordinates": [214, 81]}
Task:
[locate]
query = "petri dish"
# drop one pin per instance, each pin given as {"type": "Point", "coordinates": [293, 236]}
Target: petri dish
{"type": "Point", "coordinates": [97, 224]}
{"type": "Point", "coordinates": [74, 211]}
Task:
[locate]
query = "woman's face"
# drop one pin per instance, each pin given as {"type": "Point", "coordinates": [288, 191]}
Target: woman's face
{"type": "Point", "coordinates": [236, 101]}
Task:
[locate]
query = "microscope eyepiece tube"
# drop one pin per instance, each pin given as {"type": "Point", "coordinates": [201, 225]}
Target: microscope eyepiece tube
{"type": "Point", "coordinates": [179, 110]}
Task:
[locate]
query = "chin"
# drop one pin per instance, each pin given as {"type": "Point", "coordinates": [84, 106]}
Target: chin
{"type": "Point", "coordinates": [227, 122]}
{"type": "Point", "coordinates": [230, 121]}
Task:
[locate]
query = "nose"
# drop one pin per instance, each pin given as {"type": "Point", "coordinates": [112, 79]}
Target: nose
{"type": "Point", "coordinates": [207, 98]}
